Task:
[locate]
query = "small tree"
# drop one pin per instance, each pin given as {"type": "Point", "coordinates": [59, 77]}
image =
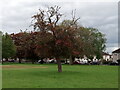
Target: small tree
{"type": "Point", "coordinates": [8, 47]}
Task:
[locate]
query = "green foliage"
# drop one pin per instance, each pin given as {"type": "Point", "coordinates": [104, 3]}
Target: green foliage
{"type": "Point", "coordinates": [8, 47]}
{"type": "Point", "coordinates": [99, 41]}
{"type": "Point", "coordinates": [88, 41]}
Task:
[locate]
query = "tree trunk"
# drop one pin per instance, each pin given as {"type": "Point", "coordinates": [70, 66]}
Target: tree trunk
{"type": "Point", "coordinates": [33, 61]}
{"type": "Point", "coordinates": [59, 65]}
{"type": "Point", "coordinates": [66, 61]}
{"type": "Point", "coordinates": [41, 61]}
{"type": "Point", "coordinates": [19, 60]}
{"type": "Point", "coordinates": [71, 60]}
{"type": "Point", "coordinates": [2, 61]}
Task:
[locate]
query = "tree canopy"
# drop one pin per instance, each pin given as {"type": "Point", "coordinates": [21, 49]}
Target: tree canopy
{"type": "Point", "coordinates": [8, 47]}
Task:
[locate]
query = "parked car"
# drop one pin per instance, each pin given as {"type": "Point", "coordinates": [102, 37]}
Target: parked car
{"type": "Point", "coordinates": [76, 62]}
{"type": "Point", "coordinates": [113, 63]}
{"type": "Point", "coordinates": [11, 60]}
{"type": "Point", "coordinates": [118, 61]}
{"type": "Point", "coordinates": [62, 61]}
{"type": "Point", "coordinates": [104, 62]}
{"type": "Point", "coordinates": [41, 61]}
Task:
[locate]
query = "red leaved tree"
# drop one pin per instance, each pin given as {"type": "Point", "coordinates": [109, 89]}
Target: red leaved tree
{"type": "Point", "coordinates": [55, 39]}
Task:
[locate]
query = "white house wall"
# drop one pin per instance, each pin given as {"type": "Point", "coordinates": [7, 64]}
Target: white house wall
{"type": "Point", "coordinates": [116, 56]}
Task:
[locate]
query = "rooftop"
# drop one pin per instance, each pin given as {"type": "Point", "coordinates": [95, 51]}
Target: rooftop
{"type": "Point", "coordinates": [116, 51]}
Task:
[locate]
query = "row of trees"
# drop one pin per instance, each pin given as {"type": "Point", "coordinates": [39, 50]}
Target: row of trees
{"type": "Point", "coordinates": [51, 38]}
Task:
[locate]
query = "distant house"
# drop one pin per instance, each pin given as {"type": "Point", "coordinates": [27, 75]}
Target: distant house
{"type": "Point", "coordinates": [107, 56]}
{"type": "Point", "coordinates": [116, 54]}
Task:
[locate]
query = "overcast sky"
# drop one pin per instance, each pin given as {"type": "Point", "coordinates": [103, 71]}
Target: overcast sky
{"type": "Point", "coordinates": [16, 15]}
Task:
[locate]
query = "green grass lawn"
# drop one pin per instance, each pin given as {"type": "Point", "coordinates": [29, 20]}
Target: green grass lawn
{"type": "Point", "coordinates": [75, 76]}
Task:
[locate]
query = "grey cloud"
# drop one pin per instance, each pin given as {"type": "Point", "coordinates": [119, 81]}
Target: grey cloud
{"type": "Point", "coordinates": [101, 15]}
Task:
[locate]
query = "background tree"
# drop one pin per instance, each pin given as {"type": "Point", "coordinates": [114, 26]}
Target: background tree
{"type": "Point", "coordinates": [89, 41]}
{"type": "Point", "coordinates": [71, 30]}
{"type": "Point", "coordinates": [8, 47]}
{"type": "Point", "coordinates": [25, 44]}
{"type": "Point", "coordinates": [99, 41]}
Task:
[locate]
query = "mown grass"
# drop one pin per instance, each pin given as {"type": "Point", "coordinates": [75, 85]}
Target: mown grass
{"type": "Point", "coordinates": [75, 76]}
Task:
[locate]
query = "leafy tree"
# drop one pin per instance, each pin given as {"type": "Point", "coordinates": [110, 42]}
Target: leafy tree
{"type": "Point", "coordinates": [89, 41]}
{"type": "Point", "coordinates": [92, 42]}
{"type": "Point", "coordinates": [65, 39]}
{"type": "Point", "coordinates": [8, 47]}
{"type": "Point", "coordinates": [71, 27]}
{"type": "Point", "coordinates": [25, 45]}
{"type": "Point", "coordinates": [55, 39]}
{"type": "Point", "coordinates": [99, 41]}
